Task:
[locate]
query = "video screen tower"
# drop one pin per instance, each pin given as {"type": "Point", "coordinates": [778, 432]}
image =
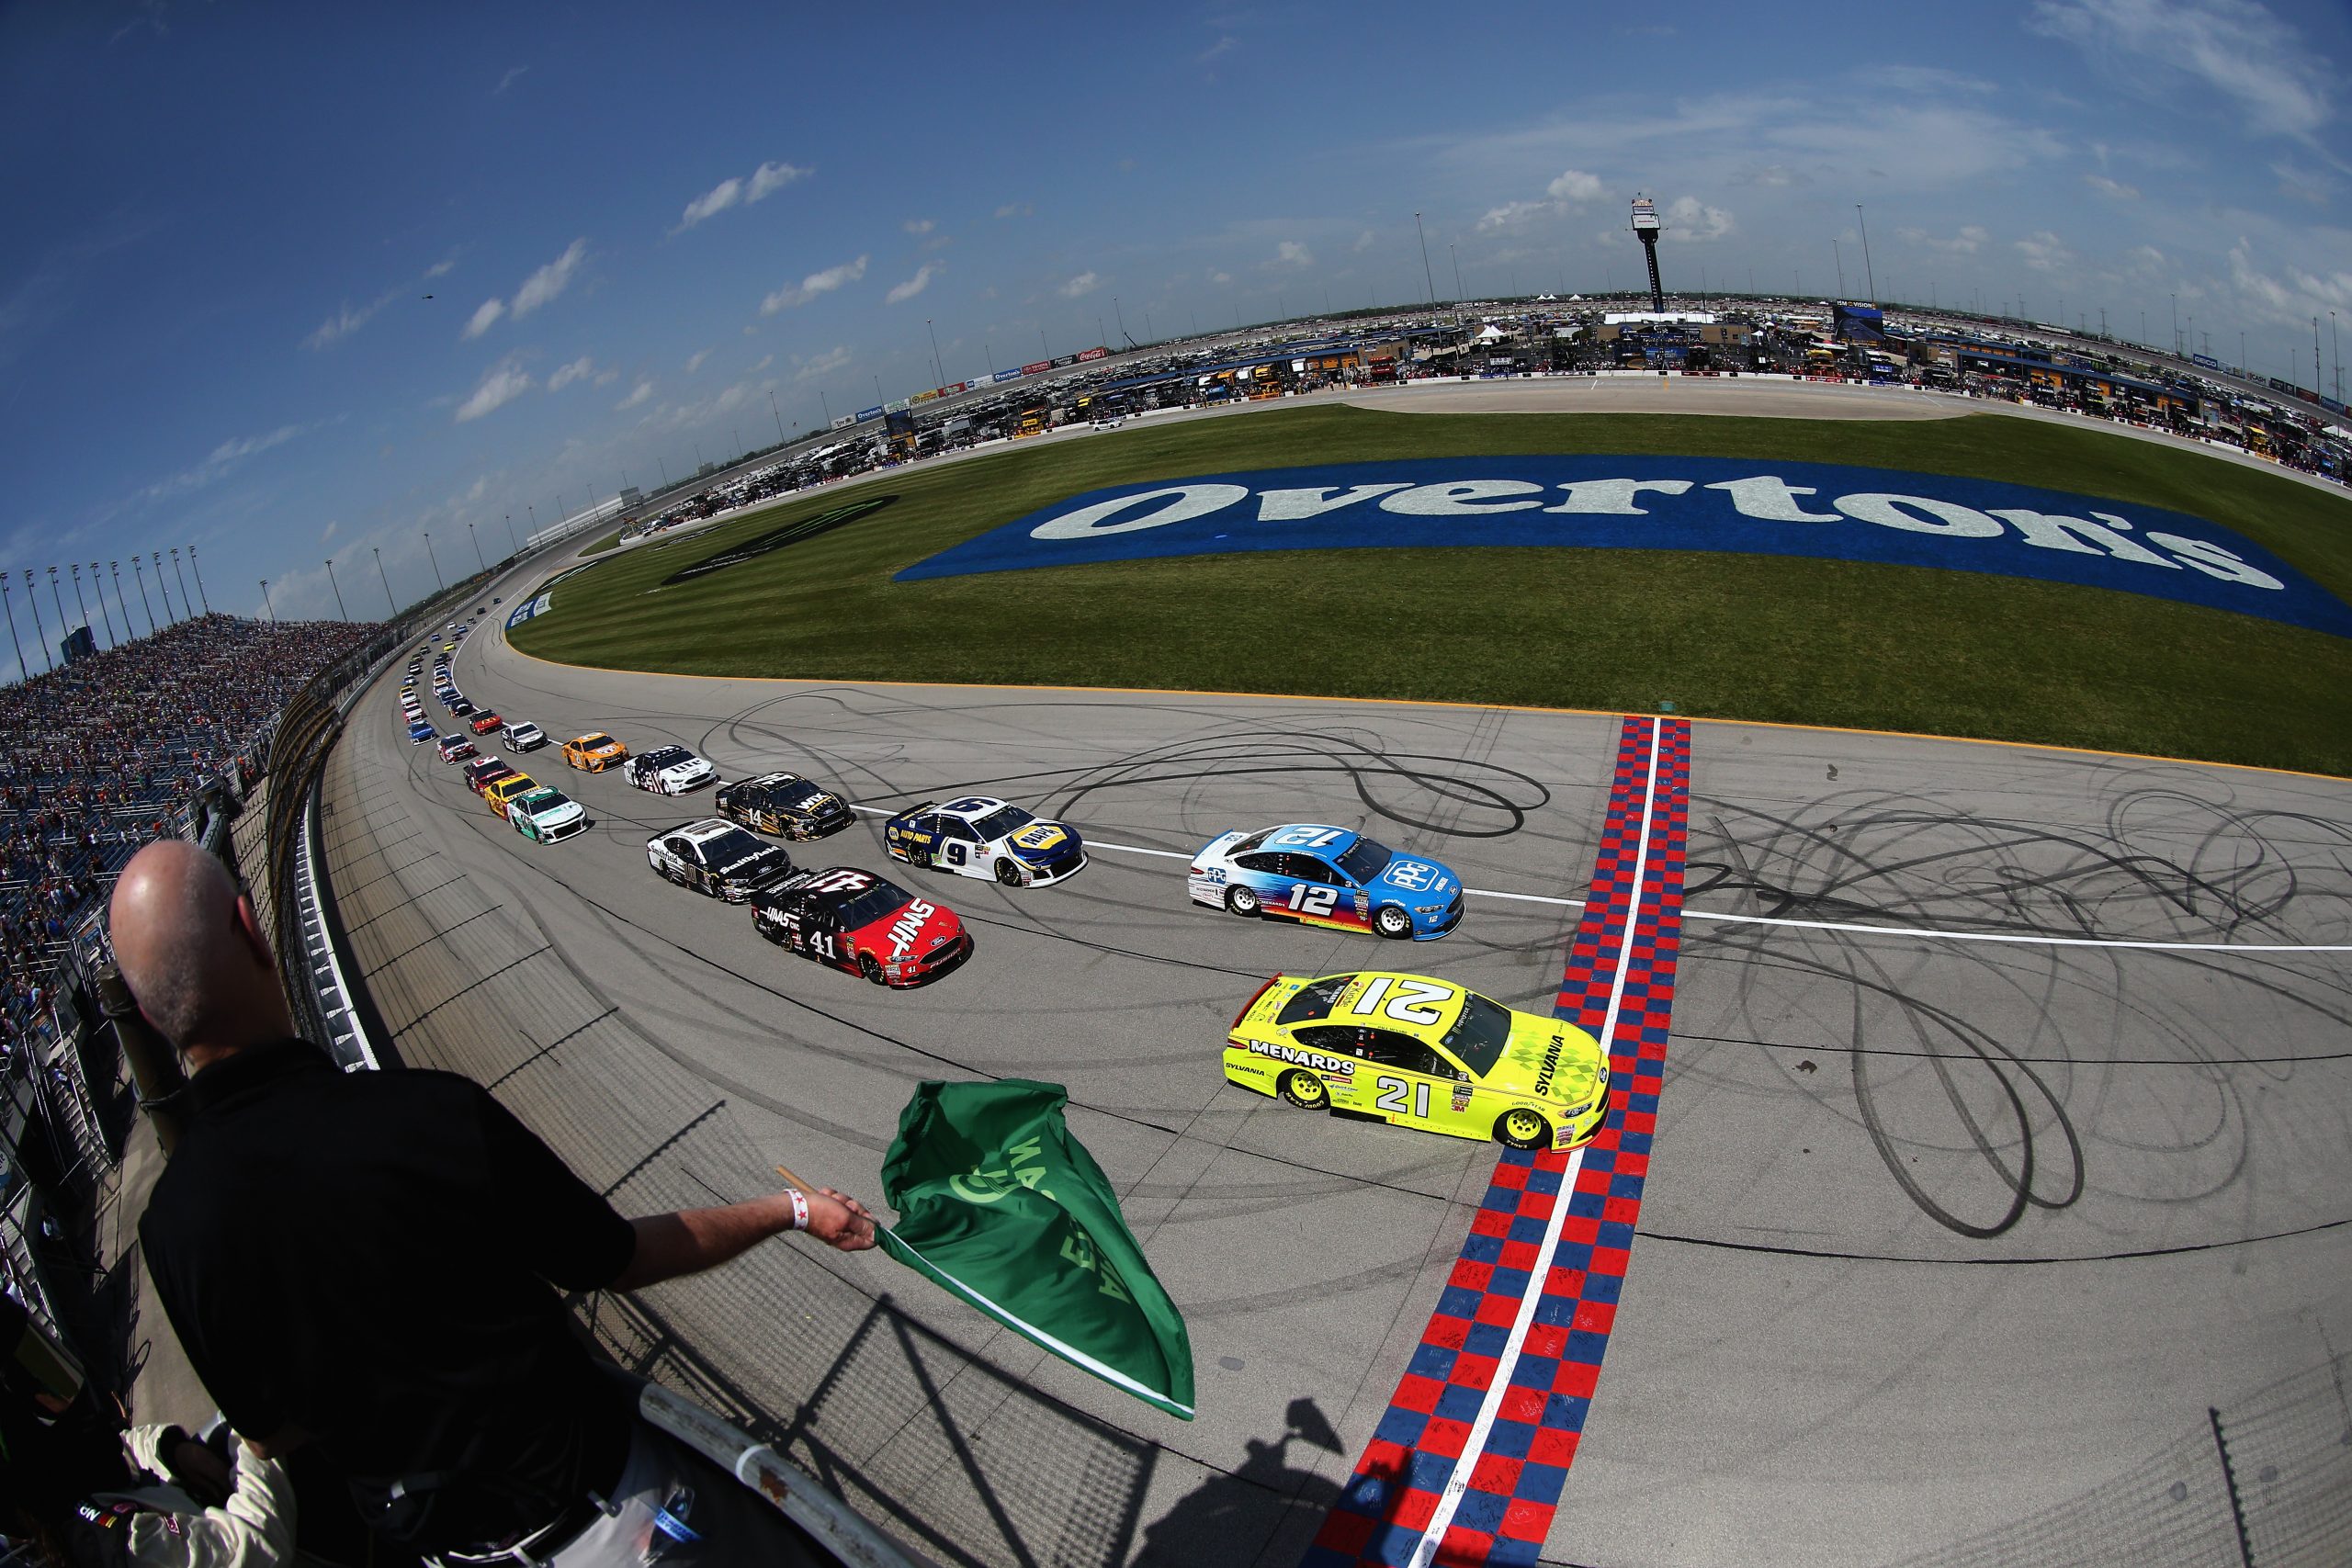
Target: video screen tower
{"type": "Point", "coordinates": [1646, 228]}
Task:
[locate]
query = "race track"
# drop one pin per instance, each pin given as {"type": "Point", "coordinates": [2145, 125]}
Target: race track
{"type": "Point", "coordinates": [1940, 1235]}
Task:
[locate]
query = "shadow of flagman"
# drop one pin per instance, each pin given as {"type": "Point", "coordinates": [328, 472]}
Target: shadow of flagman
{"type": "Point", "coordinates": [1266, 1511]}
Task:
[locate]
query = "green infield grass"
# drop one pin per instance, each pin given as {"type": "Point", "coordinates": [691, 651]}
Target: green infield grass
{"type": "Point", "coordinates": [1766, 637]}
{"type": "Point", "coordinates": [601, 546]}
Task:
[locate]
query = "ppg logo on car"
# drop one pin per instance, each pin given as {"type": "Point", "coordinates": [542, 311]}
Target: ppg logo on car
{"type": "Point", "coordinates": [1411, 874]}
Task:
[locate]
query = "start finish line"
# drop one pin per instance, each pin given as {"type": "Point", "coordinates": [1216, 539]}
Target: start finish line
{"type": "Point", "coordinates": [1824, 511]}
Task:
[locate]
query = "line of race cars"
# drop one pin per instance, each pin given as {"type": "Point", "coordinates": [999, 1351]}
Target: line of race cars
{"type": "Point", "coordinates": [1376, 1044]}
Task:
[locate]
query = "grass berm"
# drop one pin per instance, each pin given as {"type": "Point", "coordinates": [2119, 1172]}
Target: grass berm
{"type": "Point", "coordinates": [1764, 637]}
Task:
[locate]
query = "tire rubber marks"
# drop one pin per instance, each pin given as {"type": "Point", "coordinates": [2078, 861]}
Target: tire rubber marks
{"type": "Point", "coordinates": [1467, 1464]}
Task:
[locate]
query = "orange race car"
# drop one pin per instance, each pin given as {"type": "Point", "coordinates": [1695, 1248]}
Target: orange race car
{"type": "Point", "coordinates": [594, 752]}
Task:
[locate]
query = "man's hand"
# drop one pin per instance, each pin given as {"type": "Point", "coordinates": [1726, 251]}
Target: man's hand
{"type": "Point", "coordinates": [840, 1222]}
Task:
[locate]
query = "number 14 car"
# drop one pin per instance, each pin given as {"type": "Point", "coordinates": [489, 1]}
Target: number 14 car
{"type": "Point", "coordinates": [1420, 1052]}
{"type": "Point", "coordinates": [1327, 876]}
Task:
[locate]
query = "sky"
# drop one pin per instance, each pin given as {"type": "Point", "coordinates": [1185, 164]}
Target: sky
{"type": "Point", "coordinates": [297, 283]}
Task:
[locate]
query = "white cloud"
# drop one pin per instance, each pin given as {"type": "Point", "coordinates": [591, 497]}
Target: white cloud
{"type": "Point", "coordinates": [504, 382]}
{"type": "Point", "coordinates": [825, 364]}
{"type": "Point", "coordinates": [919, 225]}
{"type": "Point", "coordinates": [1363, 242]}
{"type": "Point", "coordinates": [644, 391]}
{"type": "Point", "coordinates": [1573, 185]}
{"type": "Point", "coordinates": [1016, 209]}
{"type": "Point", "coordinates": [2236, 48]}
{"type": "Point", "coordinates": [440, 268]}
{"type": "Point", "coordinates": [1967, 242]}
{"type": "Point", "coordinates": [1223, 46]}
{"type": "Point", "coordinates": [769, 178]}
{"type": "Point", "coordinates": [2290, 301]}
{"type": "Point", "coordinates": [2044, 253]}
{"type": "Point", "coordinates": [812, 286]}
{"type": "Point", "coordinates": [1512, 214]}
{"type": "Point", "coordinates": [694, 360]}
{"type": "Point", "coordinates": [327, 534]}
{"type": "Point", "coordinates": [514, 74]}
{"type": "Point", "coordinates": [1216, 276]}
{"type": "Point", "coordinates": [765, 360]}
{"type": "Point", "coordinates": [579, 369]}
{"type": "Point", "coordinates": [710, 203]}
{"type": "Point", "coordinates": [545, 286]}
{"type": "Point", "coordinates": [605, 378]}
{"type": "Point", "coordinates": [1290, 252]}
{"type": "Point", "coordinates": [1084, 283]}
{"type": "Point", "coordinates": [1693, 219]}
{"type": "Point", "coordinates": [2115, 188]}
{"type": "Point", "coordinates": [2304, 185]}
{"type": "Point", "coordinates": [911, 287]}
{"type": "Point", "coordinates": [344, 322]}
{"type": "Point", "coordinates": [485, 316]}
{"type": "Point", "coordinates": [220, 461]}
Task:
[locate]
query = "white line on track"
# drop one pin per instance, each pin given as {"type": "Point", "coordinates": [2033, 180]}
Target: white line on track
{"type": "Point", "coordinates": [1473, 1448]}
{"type": "Point", "coordinates": [2021, 938]}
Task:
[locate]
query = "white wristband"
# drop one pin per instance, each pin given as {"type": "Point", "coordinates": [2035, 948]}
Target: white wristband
{"type": "Point", "coordinates": [799, 1208]}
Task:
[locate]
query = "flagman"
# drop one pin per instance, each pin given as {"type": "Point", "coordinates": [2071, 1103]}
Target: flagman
{"type": "Point", "coordinates": [369, 1266]}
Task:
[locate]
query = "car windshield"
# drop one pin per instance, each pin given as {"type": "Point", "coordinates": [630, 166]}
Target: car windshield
{"type": "Point", "coordinates": [667, 757]}
{"type": "Point", "coordinates": [732, 848]}
{"type": "Point", "coordinates": [1315, 1002]}
{"type": "Point", "coordinates": [1252, 843]}
{"type": "Point", "coordinates": [799, 792]}
{"type": "Point", "coordinates": [870, 906]}
{"type": "Point", "coordinates": [1479, 1036]}
{"type": "Point", "coordinates": [1364, 860]}
{"type": "Point", "coordinates": [541, 802]}
{"type": "Point", "coordinates": [1001, 821]}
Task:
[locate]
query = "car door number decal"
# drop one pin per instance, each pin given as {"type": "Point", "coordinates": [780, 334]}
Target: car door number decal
{"type": "Point", "coordinates": [1405, 1004]}
{"type": "Point", "coordinates": [1311, 900]}
{"type": "Point", "coordinates": [1392, 1096]}
{"type": "Point", "coordinates": [955, 853]}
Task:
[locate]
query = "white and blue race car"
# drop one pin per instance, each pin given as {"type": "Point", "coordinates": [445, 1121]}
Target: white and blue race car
{"type": "Point", "coordinates": [1321, 875]}
{"type": "Point", "coordinates": [978, 835]}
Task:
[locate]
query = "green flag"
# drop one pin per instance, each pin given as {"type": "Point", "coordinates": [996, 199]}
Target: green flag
{"type": "Point", "coordinates": [999, 1205]}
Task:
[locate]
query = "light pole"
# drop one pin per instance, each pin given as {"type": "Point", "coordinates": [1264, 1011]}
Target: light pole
{"type": "Point", "coordinates": [2315, 381]}
{"type": "Point", "coordinates": [199, 580]}
{"type": "Point", "coordinates": [1427, 277]}
{"type": "Point", "coordinates": [114, 569]}
{"type": "Point", "coordinates": [1457, 274]}
{"type": "Point", "coordinates": [438, 586]}
{"type": "Point", "coordinates": [266, 604]}
{"type": "Point", "coordinates": [779, 417]}
{"type": "Point", "coordinates": [155, 559]}
{"type": "Point", "coordinates": [478, 556]}
{"type": "Point", "coordinates": [533, 510]}
{"type": "Point", "coordinates": [60, 600]}
{"type": "Point", "coordinates": [77, 596]}
{"type": "Point", "coordinates": [392, 611]}
{"type": "Point", "coordinates": [41, 632]}
{"type": "Point", "coordinates": [139, 570]}
{"type": "Point", "coordinates": [338, 590]}
{"type": "Point", "coordinates": [1839, 257]}
{"type": "Point", "coordinates": [2336, 351]}
{"type": "Point", "coordinates": [938, 370]}
{"type": "Point", "coordinates": [23, 672]}
{"type": "Point", "coordinates": [1872, 277]}
{"type": "Point", "coordinates": [1121, 317]}
{"type": "Point", "coordinates": [98, 587]}
{"type": "Point", "coordinates": [2176, 324]}
{"type": "Point", "coordinates": [987, 351]}
{"type": "Point", "coordinates": [183, 579]}
{"type": "Point", "coordinates": [511, 539]}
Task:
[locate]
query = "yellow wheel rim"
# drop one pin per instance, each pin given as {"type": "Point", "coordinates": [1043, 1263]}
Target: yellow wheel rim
{"type": "Point", "coordinates": [1523, 1124]}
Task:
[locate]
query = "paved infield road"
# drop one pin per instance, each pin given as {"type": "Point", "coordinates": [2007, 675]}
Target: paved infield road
{"type": "Point", "coordinates": [1940, 1235]}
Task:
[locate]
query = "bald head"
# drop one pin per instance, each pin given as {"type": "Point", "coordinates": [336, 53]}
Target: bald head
{"type": "Point", "coordinates": [192, 952]}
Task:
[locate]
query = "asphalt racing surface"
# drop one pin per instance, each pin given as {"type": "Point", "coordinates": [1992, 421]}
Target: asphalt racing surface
{"type": "Point", "coordinates": [1989, 1237]}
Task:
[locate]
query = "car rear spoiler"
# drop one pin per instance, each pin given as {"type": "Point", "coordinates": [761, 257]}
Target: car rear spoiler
{"type": "Point", "coordinates": [910, 810]}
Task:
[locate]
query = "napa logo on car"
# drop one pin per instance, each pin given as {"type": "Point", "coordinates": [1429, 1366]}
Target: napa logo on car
{"type": "Point", "coordinates": [1039, 836]}
{"type": "Point", "coordinates": [1829, 511]}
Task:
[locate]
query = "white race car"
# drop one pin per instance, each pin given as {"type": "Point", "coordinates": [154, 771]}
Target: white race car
{"type": "Point", "coordinates": [669, 770]}
{"type": "Point", "coordinates": [978, 835]}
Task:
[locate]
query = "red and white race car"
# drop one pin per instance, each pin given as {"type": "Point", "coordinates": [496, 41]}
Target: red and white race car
{"type": "Point", "coordinates": [854, 919]}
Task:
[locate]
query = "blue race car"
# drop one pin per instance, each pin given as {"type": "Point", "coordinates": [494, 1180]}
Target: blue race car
{"type": "Point", "coordinates": [421, 730]}
{"type": "Point", "coordinates": [1327, 876]}
{"type": "Point", "coordinates": [981, 836]}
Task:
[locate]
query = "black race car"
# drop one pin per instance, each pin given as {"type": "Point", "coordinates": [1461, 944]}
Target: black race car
{"type": "Point", "coordinates": [717, 858]}
{"type": "Point", "coordinates": [786, 805]}
{"type": "Point", "coordinates": [854, 919]}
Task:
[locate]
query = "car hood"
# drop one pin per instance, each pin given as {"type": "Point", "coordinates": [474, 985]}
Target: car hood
{"type": "Point", "coordinates": [1425, 879]}
{"type": "Point", "coordinates": [1548, 1059]}
{"type": "Point", "coordinates": [1044, 842]}
{"type": "Point", "coordinates": [756, 868]}
{"type": "Point", "coordinates": [557, 816]}
{"type": "Point", "coordinates": [910, 934]}
{"type": "Point", "coordinates": [693, 770]}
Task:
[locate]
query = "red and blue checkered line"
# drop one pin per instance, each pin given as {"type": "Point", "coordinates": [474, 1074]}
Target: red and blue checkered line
{"type": "Point", "coordinates": [1466, 1466]}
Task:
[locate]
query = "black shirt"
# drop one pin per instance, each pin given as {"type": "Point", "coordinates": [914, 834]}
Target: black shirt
{"type": "Point", "coordinates": [369, 1256]}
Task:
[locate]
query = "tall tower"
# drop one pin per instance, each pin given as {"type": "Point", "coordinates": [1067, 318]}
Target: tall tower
{"type": "Point", "coordinates": [1646, 230]}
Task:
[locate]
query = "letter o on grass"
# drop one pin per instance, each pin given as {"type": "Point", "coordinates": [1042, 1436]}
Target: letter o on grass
{"type": "Point", "coordinates": [1179, 503]}
{"type": "Point", "coordinates": [1946, 517]}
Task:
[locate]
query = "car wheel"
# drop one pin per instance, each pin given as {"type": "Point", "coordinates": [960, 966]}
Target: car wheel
{"type": "Point", "coordinates": [1242, 901]}
{"type": "Point", "coordinates": [871, 968]}
{"type": "Point", "coordinates": [1520, 1128]}
{"type": "Point", "coordinates": [1306, 1091]}
{"type": "Point", "coordinates": [1008, 873]}
{"type": "Point", "coordinates": [1391, 920]}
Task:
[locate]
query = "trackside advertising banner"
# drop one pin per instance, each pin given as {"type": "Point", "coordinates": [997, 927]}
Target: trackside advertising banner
{"type": "Point", "coordinates": [1665, 503]}
{"type": "Point", "coordinates": [1001, 1207]}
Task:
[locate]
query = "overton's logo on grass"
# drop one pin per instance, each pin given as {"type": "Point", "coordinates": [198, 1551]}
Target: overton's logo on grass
{"type": "Point", "coordinates": [1665, 503]}
{"type": "Point", "coordinates": [791, 533]}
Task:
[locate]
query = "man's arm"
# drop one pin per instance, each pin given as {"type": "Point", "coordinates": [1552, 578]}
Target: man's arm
{"type": "Point", "coordinates": [690, 1240]}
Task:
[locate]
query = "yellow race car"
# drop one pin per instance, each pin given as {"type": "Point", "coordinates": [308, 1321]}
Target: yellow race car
{"type": "Point", "coordinates": [594, 752]}
{"type": "Point", "coordinates": [1420, 1052]}
{"type": "Point", "coordinates": [498, 792]}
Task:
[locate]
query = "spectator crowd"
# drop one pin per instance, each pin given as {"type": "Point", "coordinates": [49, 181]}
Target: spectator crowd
{"type": "Point", "coordinates": [102, 755]}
